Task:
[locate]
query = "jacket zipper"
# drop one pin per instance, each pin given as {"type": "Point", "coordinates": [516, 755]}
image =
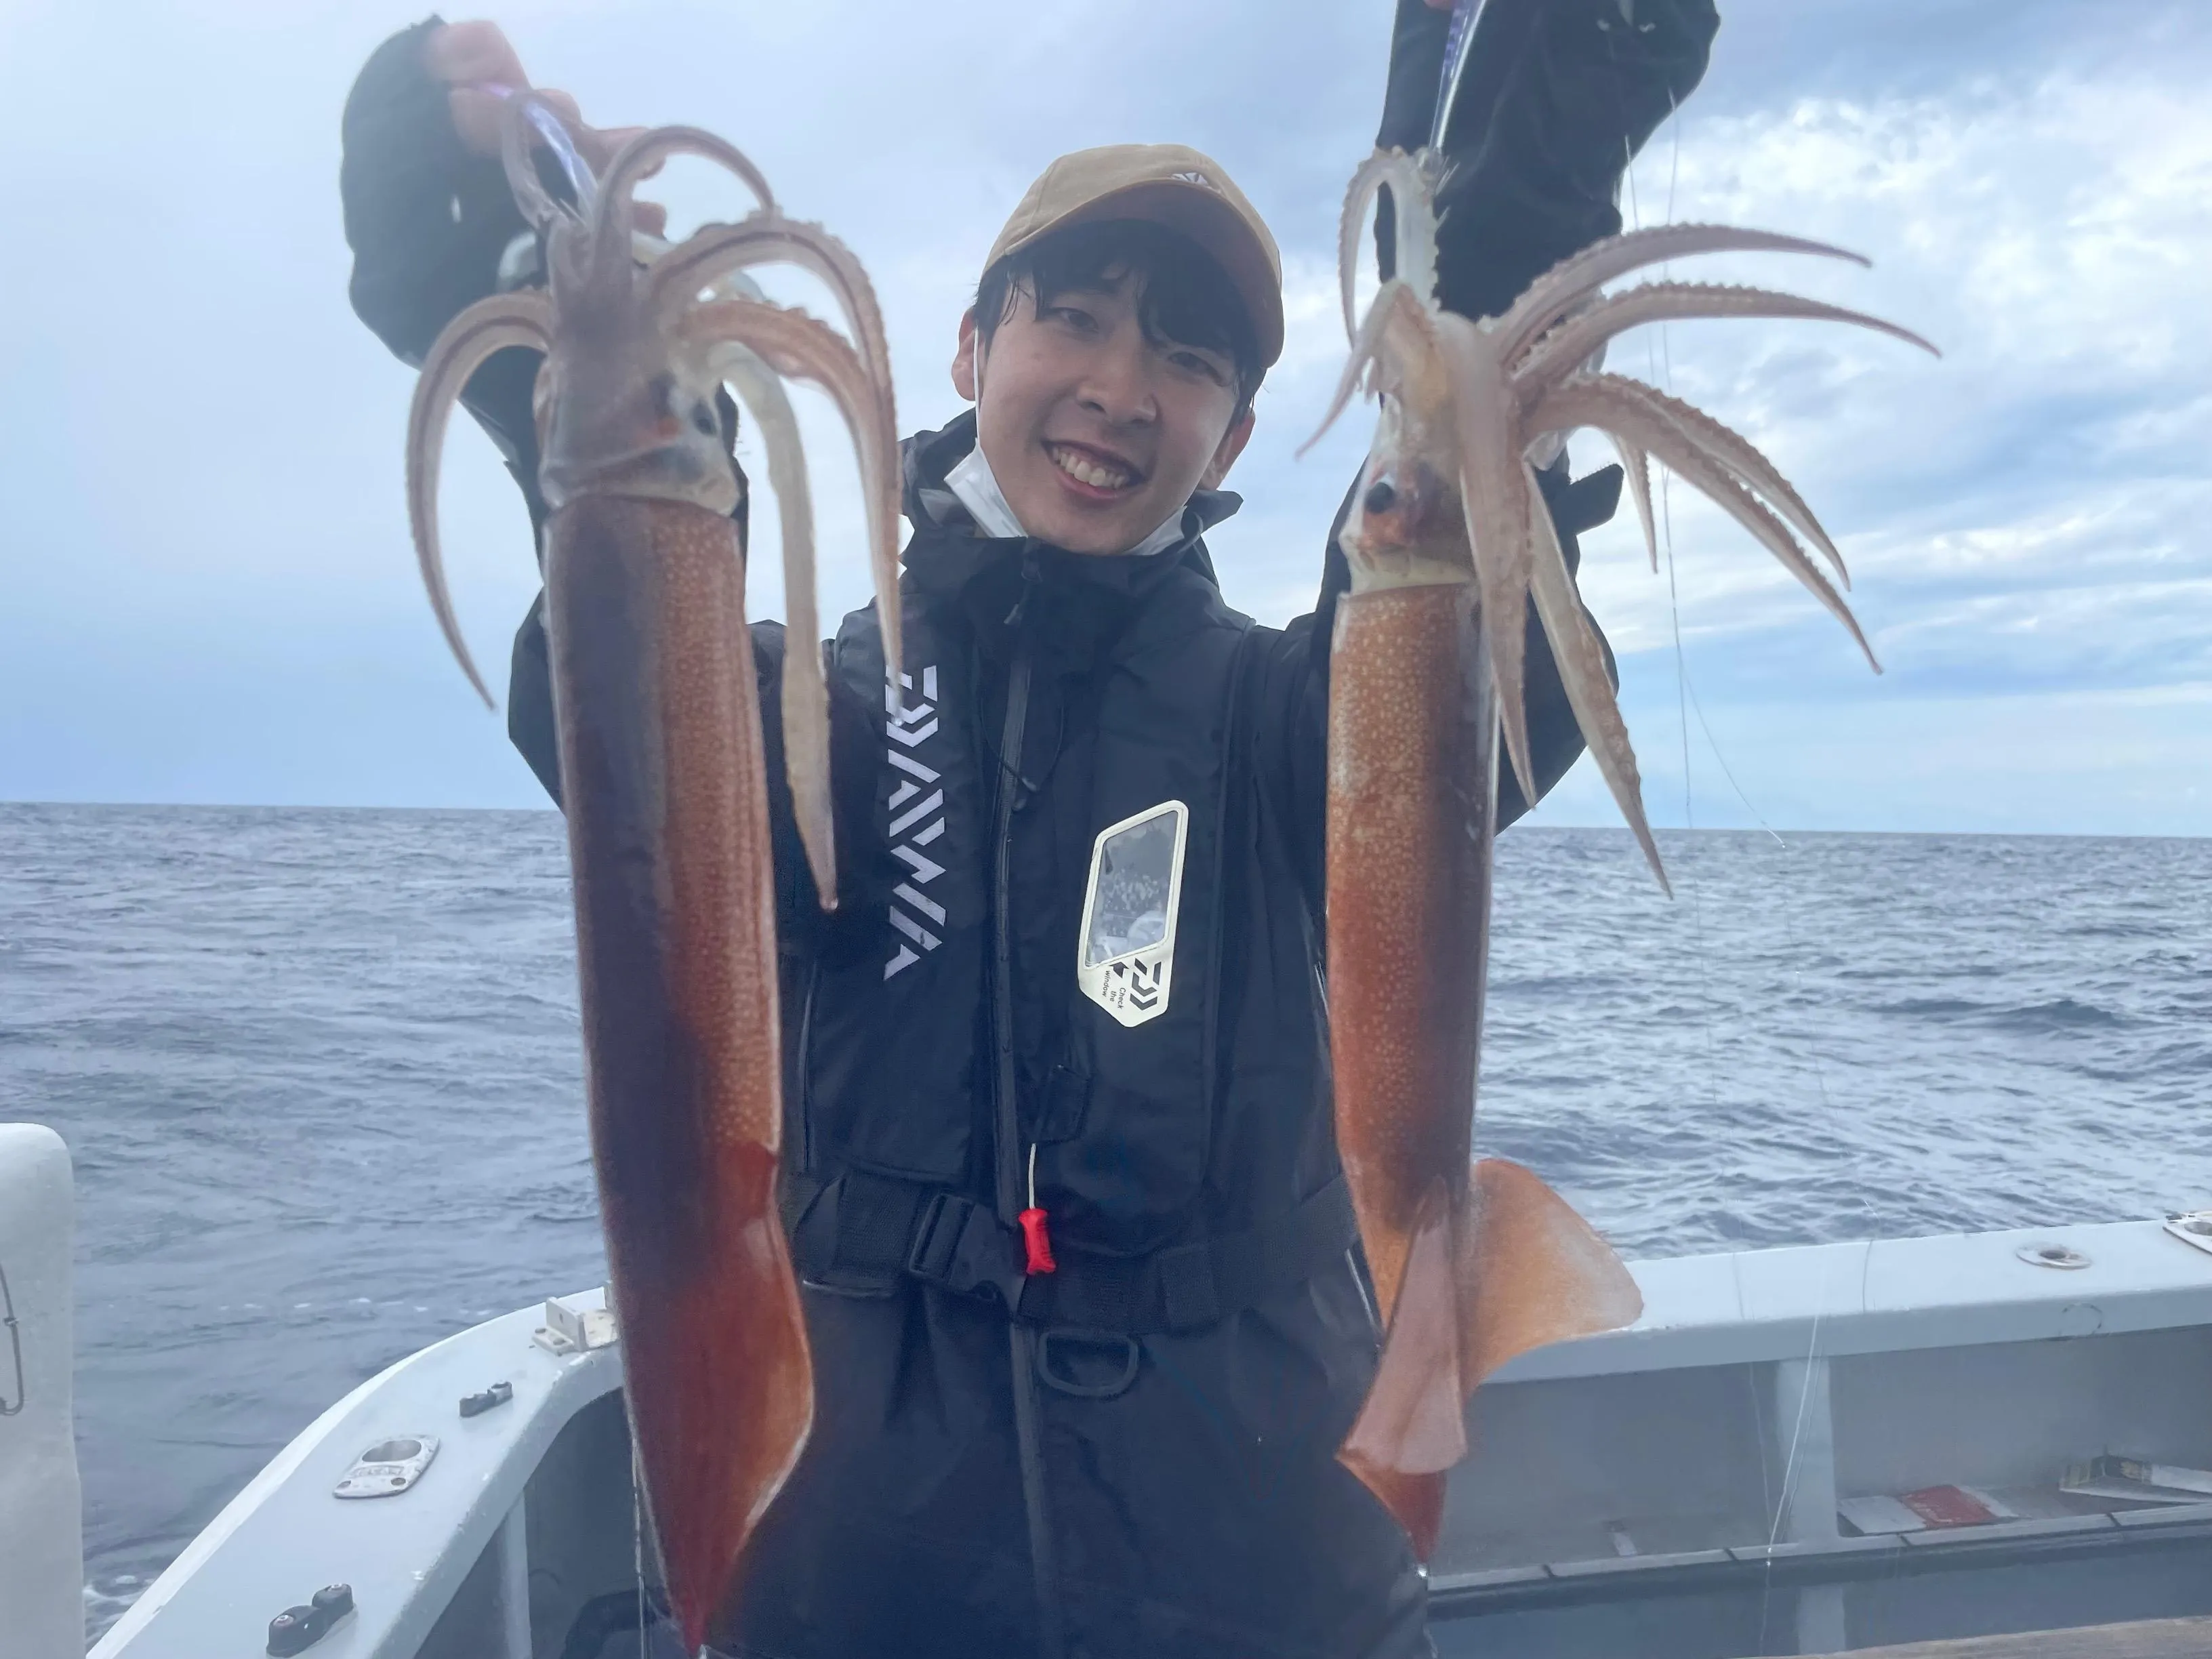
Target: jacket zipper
{"type": "Point", "coordinates": [1021, 1340]}
{"type": "Point", "coordinates": [1006, 1133]}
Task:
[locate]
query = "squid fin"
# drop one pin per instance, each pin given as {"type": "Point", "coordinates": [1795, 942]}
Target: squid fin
{"type": "Point", "coordinates": [1508, 1268]}
{"type": "Point", "coordinates": [1416, 1503]}
{"type": "Point", "coordinates": [1534, 1273]}
{"type": "Point", "coordinates": [1412, 1427]}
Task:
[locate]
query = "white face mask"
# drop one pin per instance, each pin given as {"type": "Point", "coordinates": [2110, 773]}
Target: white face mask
{"type": "Point", "coordinates": [976, 487]}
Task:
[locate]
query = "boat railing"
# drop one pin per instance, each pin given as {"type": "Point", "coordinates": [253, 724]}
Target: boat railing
{"type": "Point", "coordinates": [41, 1542]}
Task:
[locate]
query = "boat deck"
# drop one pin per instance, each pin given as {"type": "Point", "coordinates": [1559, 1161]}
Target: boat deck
{"type": "Point", "coordinates": [2157, 1639]}
{"type": "Point", "coordinates": [1669, 1491]}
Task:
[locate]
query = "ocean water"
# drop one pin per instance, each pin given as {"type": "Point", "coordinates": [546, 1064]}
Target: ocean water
{"type": "Point", "coordinates": [319, 1072]}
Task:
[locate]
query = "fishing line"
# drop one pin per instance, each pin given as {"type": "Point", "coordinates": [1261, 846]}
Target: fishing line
{"type": "Point", "coordinates": [1660, 366]}
{"type": "Point", "coordinates": [1758, 1432]}
{"type": "Point", "coordinates": [1665, 376]}
{"type": "Point", "coordinates": [1713, 744]}
{"type": "Point", "coordinates": [1659, 357]}
{"type": "Point", "coordinates": [1682, 669]}
{"type": "Point", "coordinates": [1687, 687]}
{"type": "Point", "coordinates": [1667, 485]}
{"type": "Point", "coordinates": [1797, 1429]}
{"type": "Point", "coordinates": [1686, 698]}
{"type": "Point", "coordinates": [1660, 363]}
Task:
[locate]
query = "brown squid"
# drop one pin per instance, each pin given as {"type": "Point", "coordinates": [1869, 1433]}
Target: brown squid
{"type": "Point", "coordinates": [1448, 541]}
{"type": "Point", "coordinates": [663, 778]}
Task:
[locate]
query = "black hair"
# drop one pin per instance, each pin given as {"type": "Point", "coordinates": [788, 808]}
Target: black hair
{"type": "Point", "coordinates": [1183, 295]}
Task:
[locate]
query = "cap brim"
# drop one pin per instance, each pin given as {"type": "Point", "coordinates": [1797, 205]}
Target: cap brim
{"type": "Point", "coordinates": [1207, 220]}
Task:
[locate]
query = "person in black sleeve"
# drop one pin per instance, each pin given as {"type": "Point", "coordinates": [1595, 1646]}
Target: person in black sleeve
{"type": "Point", "coordinates": [1075, 964]}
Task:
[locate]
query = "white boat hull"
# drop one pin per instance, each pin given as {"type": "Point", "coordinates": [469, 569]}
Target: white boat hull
{"type": "Point", "coordinates": [1668, 1491]}
{"type": "Point", "coordinates": [41, 1546]}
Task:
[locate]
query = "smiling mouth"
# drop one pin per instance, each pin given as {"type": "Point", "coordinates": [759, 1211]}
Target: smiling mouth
{"type": "Point", "coordinates": [1094, 471]}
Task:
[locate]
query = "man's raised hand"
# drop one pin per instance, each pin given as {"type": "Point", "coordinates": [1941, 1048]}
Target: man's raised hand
{"type": "Point", "coordinates": [472, 57]}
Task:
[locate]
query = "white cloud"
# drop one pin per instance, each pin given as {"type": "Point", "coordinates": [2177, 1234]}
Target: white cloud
{"type": "Point", "coordinates": [2050, 236]}
{"type": "Point", "coordinates": [200, 446]}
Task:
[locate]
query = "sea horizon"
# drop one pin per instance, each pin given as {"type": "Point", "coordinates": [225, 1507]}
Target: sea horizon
{"type": "Point", "coordinates": [1658, 826]}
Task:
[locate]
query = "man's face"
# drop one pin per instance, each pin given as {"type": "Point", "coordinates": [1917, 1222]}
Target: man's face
{"type": "Point", "coordinates": [1096, 434]}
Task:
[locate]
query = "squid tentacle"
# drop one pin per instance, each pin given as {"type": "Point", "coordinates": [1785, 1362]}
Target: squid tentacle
{"type": "Point", "coordinates": [677, 276]}
{"type": "Point", "coordinates": [1564, 350]}
{"type": "Point", "coordinates": [1576, 276]}
{"type": "Point", "coordinates": [1416, 246]}
{"type": "Point", "coordinates": [1394, 300]}
{"type": "Point", "coordinates": [805, 699]}
{"type": "Point", "coordinates": [487, 327]}
{"type": "Point", "coordinates": [1583, 674]}
{"type": "Point", "coordinates": [647, 150]}
{"type": "Point", "coordinates": [799, 347]}
{"type": "Point", "coordinates": [1636, 468]}
{"type": "Point", "coordinates": [1733, 452]}
{"type": "Point", "coordinates": [1491, 496]}
{"type": "Point", "coordinates": [1603, 407]}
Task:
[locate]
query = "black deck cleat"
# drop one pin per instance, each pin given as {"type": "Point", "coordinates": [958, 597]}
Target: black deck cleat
{"type": "Point", "coordinates": [297, 1629]}
{"type": "Point", "coordinates": [476, 1404]}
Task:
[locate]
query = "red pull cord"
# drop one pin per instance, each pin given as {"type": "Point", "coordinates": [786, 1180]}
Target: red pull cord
{"type": "Point", "coordinates": [1037, 1243]}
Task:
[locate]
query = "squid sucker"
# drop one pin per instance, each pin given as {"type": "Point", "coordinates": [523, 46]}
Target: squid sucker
{"type": "Point", "coordinates": [664, 784]}
{"type": "Point", "coordinates": [1448, 542]}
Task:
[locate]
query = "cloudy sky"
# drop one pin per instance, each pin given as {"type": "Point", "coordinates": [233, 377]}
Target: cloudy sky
{"type": "Point", "coordinates": [209, 594]}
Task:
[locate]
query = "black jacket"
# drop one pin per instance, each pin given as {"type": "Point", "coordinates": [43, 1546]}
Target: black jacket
{"type": "Point", "coordinates": [1135, 1454]}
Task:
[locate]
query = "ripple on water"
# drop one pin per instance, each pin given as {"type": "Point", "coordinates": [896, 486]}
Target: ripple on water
{"type": "Point", "coordinates": [332, 1059]}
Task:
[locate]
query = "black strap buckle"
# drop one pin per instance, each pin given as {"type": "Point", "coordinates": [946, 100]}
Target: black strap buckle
{"type": "Point", "coordinates": [880, 1227]}
{"type": "Point", "coordinates": [936, 1240]}
{"type": "Point", "coordinates": [959, 1245]}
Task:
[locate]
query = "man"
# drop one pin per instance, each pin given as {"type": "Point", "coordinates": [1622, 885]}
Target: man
{"type": "Point", "coordinates": [1075, 968]}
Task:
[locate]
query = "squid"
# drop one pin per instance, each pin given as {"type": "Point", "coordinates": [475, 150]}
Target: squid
{"type": "Point", "coordinates": [1448, 541]}
{"type": "Point", "coordinates": [664, 779]}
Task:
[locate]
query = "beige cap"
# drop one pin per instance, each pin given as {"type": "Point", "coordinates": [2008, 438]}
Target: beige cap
{"type": "Point", "coordinates": [1168, 185]}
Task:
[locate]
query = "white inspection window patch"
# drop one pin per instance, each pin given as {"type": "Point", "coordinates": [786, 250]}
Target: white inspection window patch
{"type": "Point", "coordinates": [1125, 956]}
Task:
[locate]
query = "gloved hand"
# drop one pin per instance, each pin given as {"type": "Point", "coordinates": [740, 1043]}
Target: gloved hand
{"type": "Point", "coordinates": [1554, 98]}
{"type": "Point", "coordinates": [471, 58]}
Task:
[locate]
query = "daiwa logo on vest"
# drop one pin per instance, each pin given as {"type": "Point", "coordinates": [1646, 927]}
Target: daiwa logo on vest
{"type": "Point", "coordinates": [1125, 953]}
{"type": "Point", "coordinates": [917, 809]}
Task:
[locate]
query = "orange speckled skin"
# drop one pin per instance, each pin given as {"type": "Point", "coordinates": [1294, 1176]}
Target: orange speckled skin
{"type": "Point", "coordinates": [1413, 757]}
{"type": "Point", "coordinates": [662, 779]}
{"type": "Point", "coordinates": [1412, 766]}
